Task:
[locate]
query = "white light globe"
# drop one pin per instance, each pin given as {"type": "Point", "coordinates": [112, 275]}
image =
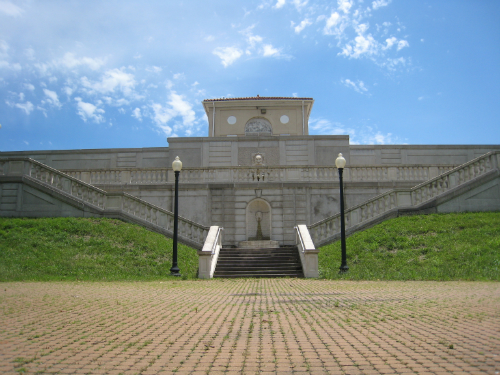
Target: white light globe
{"type": "Point", "coordinates": [177, 164]}
{"type": "Point", "coordinates": [340, 161]}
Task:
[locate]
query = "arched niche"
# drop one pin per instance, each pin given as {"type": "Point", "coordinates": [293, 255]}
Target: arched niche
{"type": "Point", "coordinates": [258, 212]}
{"type": "Point", "coordinates": [258, 126]}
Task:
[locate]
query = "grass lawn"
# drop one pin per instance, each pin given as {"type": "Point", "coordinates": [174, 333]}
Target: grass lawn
{"type": "Point", "coordinates": [462, 246]}
{"type": "Point", "coordinates": [428, 247]}
{"type": "Point", "coordinates": [87, 249]}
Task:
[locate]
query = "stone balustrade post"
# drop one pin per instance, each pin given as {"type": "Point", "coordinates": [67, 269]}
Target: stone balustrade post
{"type": "Point", "coordinates": [392, 173]}
{"type": "Point", "coordinates": [433, 172]}
{"type": "Point", "coordinates": [125, 177]}
{"type": "Point", "coordinates": [403, 199]}
{"type": "Point", "coordinates": [114, 202]}
{"type": "Point", "coordinates": [85, 177]}
{"type": "Point", "coordinates": [209, 254]}
{"type": "Point", "coordinates": [308, 252]}
{"type": "Point", "coordinates": [17, 167]}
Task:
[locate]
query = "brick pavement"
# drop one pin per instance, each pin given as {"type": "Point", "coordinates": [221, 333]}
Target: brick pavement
{"type": "Point", "coordinates": [266, 326]}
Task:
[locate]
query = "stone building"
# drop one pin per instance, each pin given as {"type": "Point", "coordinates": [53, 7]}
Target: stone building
{"type": "Point", "coordinates": [258, 174]}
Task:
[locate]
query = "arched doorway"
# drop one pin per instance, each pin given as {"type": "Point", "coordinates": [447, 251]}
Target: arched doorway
{"type": "Point", "coordinates": [258, 218]}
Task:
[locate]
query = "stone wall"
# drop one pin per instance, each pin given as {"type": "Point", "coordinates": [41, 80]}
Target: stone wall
{"type": "Point", "coordinates": [417, 154]}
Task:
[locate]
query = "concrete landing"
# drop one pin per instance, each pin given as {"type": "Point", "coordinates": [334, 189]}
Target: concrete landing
{"type": "Point", "coordinates": [259, 244]}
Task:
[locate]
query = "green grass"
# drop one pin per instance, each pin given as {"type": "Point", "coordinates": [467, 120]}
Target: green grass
{"type": "Point", "coordinates": [463, 246]}
{"type": "Point", "coordinates": [428, 247]}
{"type": "Point", "coordinates": [87, 249]}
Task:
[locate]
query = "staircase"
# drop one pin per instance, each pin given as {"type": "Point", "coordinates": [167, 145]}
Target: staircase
{"type": "Point", "coordinates": [269, 262]}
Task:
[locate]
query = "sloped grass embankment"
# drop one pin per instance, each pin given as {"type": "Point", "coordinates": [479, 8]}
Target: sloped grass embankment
{"type": "Point", "coordinates": [462, 246]}
{"type": "Point", "coordinates": [87, 249]}
{"type": "Point", "coordinates": [428, 247]}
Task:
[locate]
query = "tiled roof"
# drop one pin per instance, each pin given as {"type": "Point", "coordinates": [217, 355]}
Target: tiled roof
{"type": "Point", "coordinates": [257, 98]}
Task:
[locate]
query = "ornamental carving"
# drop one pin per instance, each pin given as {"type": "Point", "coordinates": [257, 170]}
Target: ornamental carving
{"type": "Point", "coordinates": [258, 125]}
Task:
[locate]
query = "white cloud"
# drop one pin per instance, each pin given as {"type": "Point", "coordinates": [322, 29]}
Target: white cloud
{"type": "Point", "coordinates": [344, 5]}
{"type": "Point", "coordinates": [29, 53]}
{"type": "Point", "coordinates": [392, 64]}
{"type": "Point", "coordinates": [161, 117]}
{"type": "Point", "coordinates": [136, 113]}
{"type": "Point", "coordinates": [88, 111]}
{"type": "Point", "coordinates": [154, 69]}
{"type": "Point", "coordinates": [332, 21]}
{"type": "Point", "coordinates": [299, 4]}
{"type": "Point", "coordinates": [176, 106]}
{"type": "Point", "coordinates": [4, 47]}
{"type": "Point", "coordinates": [361, 28]}
{"type": "Point", "coordinates": [29, 86]}
{"type": "Point", "coordinates": [301, 26]}
{"type": "Point", "coordinates": [70, 61]}
{"type": "Point", "coordinates": [358, 86]}
{"type": "Point", "coordinates": [362, 46]}
{"type": "Point", "coordinates": [113, 79]}
{"type": "Point", "coordinates": [279, 4]}
{"type": "Point", "coordinates": [52, 98]}
{"type": "Point", "coordinates": [402, 44]}
{"type": "Point", "coordinates": [253, 39]}
{"type": "Point", "coordinates": [68, 90]}
{"type": "Point", "coordinates": [326, 127]}
{"type": "Point", "coordinates": [10, 9]}
{"type": "Point", "coordinates": [360, 135]}
{"type": "Point", "coordinates": [228, 55]}
{"type": "Point", "coordinates": [348, 24]}
{"type": "Point", "coordinates": [179, 76]}
{"type": "Point", "coordinates": [380, 3]}
{"type": "Point", "coordinates": [390, 42]}
{"type": "Point", "coordinates": [6, 64]}
{"type": "Point", "coordinates": [26, 107]}
{"type": "Point", "coordinates": [182, 108]}
{"type": "Point", "coordinates": [269, 50]}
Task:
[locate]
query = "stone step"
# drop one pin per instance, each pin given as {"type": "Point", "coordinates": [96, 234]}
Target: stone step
{"type": "Point", "coordinates": [263, 262]}
{"type": "Point", "coordinates": [291, 266]}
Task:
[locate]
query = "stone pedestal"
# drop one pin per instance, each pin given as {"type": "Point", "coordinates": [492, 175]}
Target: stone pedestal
{"type": "Point", "coordinates": [259, 244]}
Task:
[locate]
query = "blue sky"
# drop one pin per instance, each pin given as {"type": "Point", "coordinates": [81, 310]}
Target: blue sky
{"type": "Point", "coordinates": [106, 74]}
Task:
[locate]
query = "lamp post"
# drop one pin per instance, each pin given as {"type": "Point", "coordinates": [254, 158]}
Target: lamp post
{"type": "Point", "coordinates": [176, 166]}
{"type": "Point", "coordinates": [340, 163]}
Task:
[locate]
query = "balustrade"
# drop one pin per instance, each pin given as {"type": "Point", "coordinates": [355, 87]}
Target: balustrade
{"type": "Point", "coordinates": [130, 205]}
{"type": "Point", "coordinates": [262, 174]}
{"type": "Point", "coordinates": [426, 191]}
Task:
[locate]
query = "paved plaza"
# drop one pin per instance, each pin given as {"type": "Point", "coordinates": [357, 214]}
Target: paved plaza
{"type": "Point", "coordinates": [250, 326]}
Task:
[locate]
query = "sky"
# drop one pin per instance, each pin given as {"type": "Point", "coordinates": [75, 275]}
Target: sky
{"type": "Point", "coordinates": [109, 74]}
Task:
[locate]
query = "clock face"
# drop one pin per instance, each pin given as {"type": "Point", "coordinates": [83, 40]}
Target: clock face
{"type": "Point", "coordinates": [231, 120]}
{"type": "Point", "coordinates": [284, 119]}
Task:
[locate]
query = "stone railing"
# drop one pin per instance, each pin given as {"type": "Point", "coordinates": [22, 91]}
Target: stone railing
{"type": "Point", "coordinates": [328, 229]}
{"type": "Point", "coordinates": [307, 251]}
{"type": "Point", "coordinates": [122, 205]}
{"type": "Point", "coordinates": [258, 174]}
{"type": "Point", "coordinates": [209, 254]}
{"type": "Point", "coordinates": [121, 176]}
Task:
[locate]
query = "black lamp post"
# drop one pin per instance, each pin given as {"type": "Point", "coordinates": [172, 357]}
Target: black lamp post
{"type": "Point", "coordinates": [340, 163]}
{"type": "Point", "coordinates": [176, 166]}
